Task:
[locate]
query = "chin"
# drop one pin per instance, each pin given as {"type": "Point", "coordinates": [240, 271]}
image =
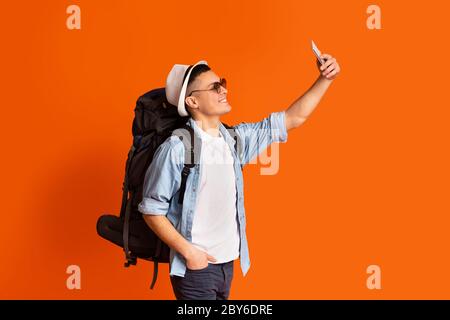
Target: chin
{"type": "Point", "coordinates": [226, 109]}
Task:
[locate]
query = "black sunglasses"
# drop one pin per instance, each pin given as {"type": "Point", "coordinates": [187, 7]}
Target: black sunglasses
{"type": "Point", "coordinates": [216, 86]}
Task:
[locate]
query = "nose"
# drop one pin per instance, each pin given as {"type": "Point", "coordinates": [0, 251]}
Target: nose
{"type": "Point", "coordinates": [223, 89]}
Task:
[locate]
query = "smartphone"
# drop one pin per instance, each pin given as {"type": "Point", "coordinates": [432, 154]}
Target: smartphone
{"type": "Point", "coordinates": [317, 52]}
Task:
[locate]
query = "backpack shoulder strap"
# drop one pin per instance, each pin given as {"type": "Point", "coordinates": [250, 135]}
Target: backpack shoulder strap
{"type": "Point", "coordinates": [238, 145]}
{"type": "Point", "coordinates": [192, 150]}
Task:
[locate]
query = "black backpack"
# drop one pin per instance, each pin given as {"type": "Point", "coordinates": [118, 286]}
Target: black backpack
{"type": "Point", "coordinates": [155, 120]}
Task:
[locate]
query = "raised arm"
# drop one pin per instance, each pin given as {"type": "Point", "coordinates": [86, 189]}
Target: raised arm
{"type": "Point", "coordinates": [301, 109]}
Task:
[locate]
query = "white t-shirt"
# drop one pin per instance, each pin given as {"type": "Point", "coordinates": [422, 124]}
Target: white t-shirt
{"type": "Point", "coordinates": [215, 228]}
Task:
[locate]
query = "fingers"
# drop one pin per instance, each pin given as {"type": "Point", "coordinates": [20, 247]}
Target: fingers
{"type": "Point", "coordinates": [332, 73]}
{"type": "Point", "coordinates": [211, 258]}
{"type": "Point", "coordinates": [329, 70]}
{"type": "Point", "coordinates": [328, 62]}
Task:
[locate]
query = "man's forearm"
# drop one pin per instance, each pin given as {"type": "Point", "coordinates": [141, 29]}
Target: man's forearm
{"type": "Point", "coordinates": [301, 108]}
{"type": "Point", "coordinates": [168, 234]}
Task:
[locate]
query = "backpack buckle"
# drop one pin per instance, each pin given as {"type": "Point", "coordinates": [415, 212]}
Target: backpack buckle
{"type": "Point", "coordinates": [185, 171]}
{"type": "Point", "coordinates": [130, 261]}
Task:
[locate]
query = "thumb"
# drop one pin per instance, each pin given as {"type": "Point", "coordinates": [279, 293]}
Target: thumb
{"type": "Point", "coordinates": [211, 258]}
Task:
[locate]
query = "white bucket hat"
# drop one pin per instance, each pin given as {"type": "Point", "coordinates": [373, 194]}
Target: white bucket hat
{"type": "Point", "coordinates": [176, 87]}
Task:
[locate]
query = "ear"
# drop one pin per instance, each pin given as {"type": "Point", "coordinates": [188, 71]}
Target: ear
{"type": "Point", "coordinates": [191, 102]}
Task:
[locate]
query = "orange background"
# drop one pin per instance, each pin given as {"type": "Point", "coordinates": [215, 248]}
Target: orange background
{"type": "Point", "coordinates": [364, 181]}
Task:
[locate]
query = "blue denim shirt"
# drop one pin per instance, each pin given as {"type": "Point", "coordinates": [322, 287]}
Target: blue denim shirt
{"type": "Point", "coordinates": [163, 179]}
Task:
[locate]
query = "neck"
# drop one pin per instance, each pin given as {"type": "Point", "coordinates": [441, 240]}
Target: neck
{"type": "Point", "coordinates": [209, 124]}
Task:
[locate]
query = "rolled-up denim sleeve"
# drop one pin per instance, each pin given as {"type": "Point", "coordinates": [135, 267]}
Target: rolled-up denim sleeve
{"type": "Point", "coordinates": [163, 177]}
{"type": "Point", "coordinates": [257, 136]}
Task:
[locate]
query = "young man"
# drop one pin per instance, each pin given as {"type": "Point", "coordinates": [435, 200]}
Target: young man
{"type": "Point", "coordinates": [207, 232]}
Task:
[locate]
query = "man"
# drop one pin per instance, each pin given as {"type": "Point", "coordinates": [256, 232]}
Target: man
{"type": "Point", "coordinates": [207, 232]}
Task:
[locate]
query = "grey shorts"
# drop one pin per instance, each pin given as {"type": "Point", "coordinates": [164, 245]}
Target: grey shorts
{"type": "Point", "coordinates": [210, 283]}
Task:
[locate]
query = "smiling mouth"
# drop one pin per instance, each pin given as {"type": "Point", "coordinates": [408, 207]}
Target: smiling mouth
{"type": "Point", "coordinates": [224, 100]}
